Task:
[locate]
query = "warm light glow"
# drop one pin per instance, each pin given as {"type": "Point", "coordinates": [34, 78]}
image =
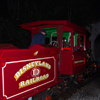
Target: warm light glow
{"type": "Point", "coordinates": [4, 98]}
{"type": "Point", "coordinates": [3, 64]}
{"type": "Point", "coordinates": [66, 49]}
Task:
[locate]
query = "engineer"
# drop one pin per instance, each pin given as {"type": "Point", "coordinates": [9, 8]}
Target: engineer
{"type": "Point", "coordinates": [39, 38]}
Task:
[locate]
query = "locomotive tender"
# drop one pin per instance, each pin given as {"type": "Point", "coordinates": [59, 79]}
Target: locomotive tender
{"type": "Point", "coordinates": [27, 72]}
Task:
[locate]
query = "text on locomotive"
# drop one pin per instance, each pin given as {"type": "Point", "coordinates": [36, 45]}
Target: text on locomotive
{"type": "Point", "coordinates": [29, 66]}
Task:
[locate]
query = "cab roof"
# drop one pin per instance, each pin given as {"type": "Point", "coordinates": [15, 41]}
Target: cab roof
{"type": "Point", "coordinates": [51, 23]}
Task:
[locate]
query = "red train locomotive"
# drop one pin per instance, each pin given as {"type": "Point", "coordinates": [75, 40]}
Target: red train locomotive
{"type": "Point", "coordinates": [27, 72]}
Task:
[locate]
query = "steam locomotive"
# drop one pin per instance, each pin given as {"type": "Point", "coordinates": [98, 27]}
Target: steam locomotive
{"type": "Point", "coordinates": [27, 72]}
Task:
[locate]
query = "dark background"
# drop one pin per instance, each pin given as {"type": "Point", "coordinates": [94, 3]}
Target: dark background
{"type": "Point", "coordinates": [15, 12]}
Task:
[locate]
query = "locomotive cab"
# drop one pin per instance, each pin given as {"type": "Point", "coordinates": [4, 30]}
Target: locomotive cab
{"type": "Point", "coordinates": [69, 38]}
{"type": "Point", "coordinates": [72, 51]}
{"type": "Point", "coordinates": [74, 55]}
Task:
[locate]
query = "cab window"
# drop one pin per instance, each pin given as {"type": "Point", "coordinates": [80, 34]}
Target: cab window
{"type": "Point", "coordinates": [79, 41]}
{"type": "Point", "coordinates": [66, 41]}
{"type": "Point", "coordinates": [76, 41]}
{"type": "Point", "coordinates": [82, 42]}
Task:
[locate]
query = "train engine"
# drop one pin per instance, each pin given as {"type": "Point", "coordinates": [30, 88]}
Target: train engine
{"type": "Point", "coordinates": [27, 72]}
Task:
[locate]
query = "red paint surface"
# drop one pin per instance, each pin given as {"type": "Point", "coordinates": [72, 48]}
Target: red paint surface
{"type": "Point", "coordinates": [79, 55]}
{"type": "Point", "coordinates": [15, 59]}
{"type": "Point", "coordinates": [66, 66]}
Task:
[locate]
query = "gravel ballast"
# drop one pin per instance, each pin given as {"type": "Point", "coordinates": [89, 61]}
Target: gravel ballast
{"type": "Point", "coordinates": [91, 91]}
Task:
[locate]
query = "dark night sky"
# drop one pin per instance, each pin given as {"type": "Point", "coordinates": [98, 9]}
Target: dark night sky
{"type": "Point", "coordinates": [77, 11]}
{"type": "Point", "coordinates": [15, 12]}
